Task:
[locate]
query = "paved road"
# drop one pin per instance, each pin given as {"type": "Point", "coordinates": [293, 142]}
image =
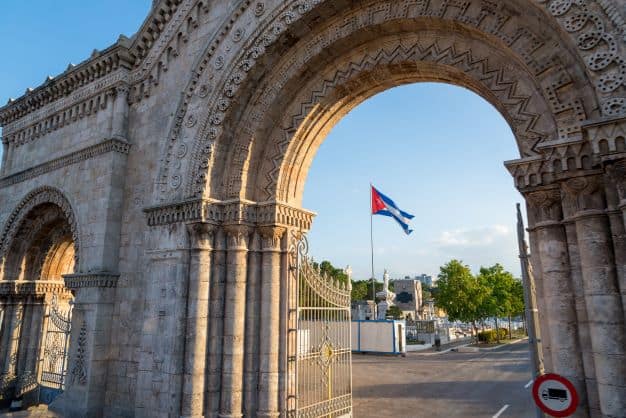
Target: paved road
{"type": "Point", "coordinates": [444, 385]}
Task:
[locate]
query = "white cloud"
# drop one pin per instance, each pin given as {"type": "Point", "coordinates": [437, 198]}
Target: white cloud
{"type": "Point", "coordinates": [472, 237]}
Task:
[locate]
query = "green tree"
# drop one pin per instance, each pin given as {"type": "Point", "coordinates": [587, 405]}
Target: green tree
{"type": "Point", "coordinates": [500, 300]}
{"type": "Point", "coordinates": [362, 289]}
{"type": "Point", "coordinates": [460, 294]}
{"type": "Point", "coordinates": [327, 269]}
{"type": "Point", "coordinates": [394, 312]}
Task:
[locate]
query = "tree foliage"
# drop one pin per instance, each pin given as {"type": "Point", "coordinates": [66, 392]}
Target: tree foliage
{"type": "Point", "coordinates": [494, 292]}
{"type": "Point", "coordinates": [394, 312]}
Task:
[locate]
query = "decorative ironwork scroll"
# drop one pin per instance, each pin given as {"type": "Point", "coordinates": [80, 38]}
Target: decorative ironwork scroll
{"type": "Point", "coordinates": [320, 361]}
{"type": "Point", "coordinates": [56, 346]}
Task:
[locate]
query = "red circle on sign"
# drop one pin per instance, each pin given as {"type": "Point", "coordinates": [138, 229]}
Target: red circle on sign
{"type": "Point", "coordinates": [551, 376]}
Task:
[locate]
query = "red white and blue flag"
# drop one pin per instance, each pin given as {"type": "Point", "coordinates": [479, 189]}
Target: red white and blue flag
{"type": "Point", "coordinates": [382, 205]}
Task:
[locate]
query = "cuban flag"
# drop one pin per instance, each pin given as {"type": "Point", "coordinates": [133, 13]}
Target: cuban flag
{"type": "Point", "coordinates": [382, 205]}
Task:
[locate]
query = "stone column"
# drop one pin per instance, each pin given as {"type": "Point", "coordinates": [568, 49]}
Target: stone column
{"type": "Point", "coordinates": [201, 245]}
{"type": "Point", "coordinates": [269, 349]}
{"type": "Point", "coordinates": [583, 321]}
{"type": "Point", "coordinates": [253, 323]}
{"type": "Point", "coordinates": [11, 354]}
{"type": "Point", "coordinates": [216, 325]}
{"type": "Point", "coordinates": [5, 155]}
{"type": "Point", "coordinates": [119, 116]}
{"type": "Point", "coordinates": [558, 293]}
{"type": "Point", "coordinates": [584, 199]}
{"type": "Point", "coordinates": [89, 345]}
{"type": "Point", "coordinates": [535, 261]}
{"type": "Point", "coordinates": [616, 199]}
{"type": "Point", "coordinates": [231, 398]}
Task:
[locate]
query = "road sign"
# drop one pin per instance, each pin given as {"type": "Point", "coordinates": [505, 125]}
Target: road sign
{"type": "Point", "coordinates": [555, 395]}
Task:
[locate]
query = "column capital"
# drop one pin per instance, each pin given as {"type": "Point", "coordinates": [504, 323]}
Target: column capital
{"type": "Point", "coordinates": [545, 205]}
{"type": "Point", "coordinates": [237, 236]}
{"type": "Point", "coordinates": [201, 235]}
{"type": "Point", "coordinates": [271, 236]}
{"type": "Point", "coordinates": [583, 196]}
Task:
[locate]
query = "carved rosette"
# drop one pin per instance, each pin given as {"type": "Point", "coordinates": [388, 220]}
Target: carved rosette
{"type": "Point", "coordinates": [271, 237]}
{"type": "Point", "coordinates": [545, 206]}
{"type": "Point", "coordinates": [201, 235]}
{"type": "Point", "coordinates": [584, 196]}
{"type": "Point", "coordinates": [237, 237]}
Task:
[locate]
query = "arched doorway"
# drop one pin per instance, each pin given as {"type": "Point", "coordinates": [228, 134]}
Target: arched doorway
{"type": "Point", "coordinates": [38, 249]}
{"type": "Point", "coordinates": [253, 117]}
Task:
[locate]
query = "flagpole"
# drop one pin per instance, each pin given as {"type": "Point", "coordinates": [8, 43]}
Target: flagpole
{"type": "Point", "coordinates": [372, 243]}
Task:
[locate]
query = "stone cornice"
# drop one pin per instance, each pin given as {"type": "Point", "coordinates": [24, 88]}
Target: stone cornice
{"type": "Point", "coordinates": [28, 288]}
{"type": "Point", "coordinates": [230, 213]}
{"type": "Point", "coordinates": [100, 65]}
{"type": "Point", "coordinates": [106, 146]}
{"type": "Point", "coordinates": [90, 280]}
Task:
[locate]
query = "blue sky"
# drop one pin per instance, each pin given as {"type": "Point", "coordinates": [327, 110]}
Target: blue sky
{"type": "Point", "coordinates": [436, 149]}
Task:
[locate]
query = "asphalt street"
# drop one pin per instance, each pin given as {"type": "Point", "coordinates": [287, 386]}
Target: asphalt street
{"type": "Point", "coordinates": [486, 384]}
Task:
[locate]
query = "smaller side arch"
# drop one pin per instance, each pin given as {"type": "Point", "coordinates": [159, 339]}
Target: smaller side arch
{"type": "Point", "coordinates": [34, 198]}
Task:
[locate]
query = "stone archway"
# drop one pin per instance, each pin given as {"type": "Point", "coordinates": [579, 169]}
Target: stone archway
{"type": "Point", "coordinates": [36, 251]}
{"type": "Point", "coordinates": [253, 117]}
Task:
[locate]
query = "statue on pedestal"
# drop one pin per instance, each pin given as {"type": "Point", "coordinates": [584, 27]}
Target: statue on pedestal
{"type": "Point", "coordinates": [386, 297]}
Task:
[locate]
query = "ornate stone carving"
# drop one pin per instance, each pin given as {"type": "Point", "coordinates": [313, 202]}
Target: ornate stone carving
{"type": "Point", "coordinates": [546, 206]}
{"type": "Point", "coordinates": [34, 198]}
{"type": "Point", "coordinates": [584, 195]}
{"type": "Point", "coordinates": [602, 50]}
{"type": "Point", "coordinates": [237, 236]}
{"type": "Point", "coordinates": [201, 235]}
{"type": "Point", "coordinates": [79, 371]}
{"type": "Point", "coordinates": [616, 172]}
{"type": "Point", "coordinates": [86, 280]}
{"type": "Point", "coordinates": [290, 13]}
{"type": "Point", "coordinates": [271, 237]}
{"type": "Point", "coordinates": [231, 212]}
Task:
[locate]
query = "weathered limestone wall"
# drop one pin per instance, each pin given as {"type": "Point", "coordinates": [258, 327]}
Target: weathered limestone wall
{"type": "Point", "coordinates": [179, 149]}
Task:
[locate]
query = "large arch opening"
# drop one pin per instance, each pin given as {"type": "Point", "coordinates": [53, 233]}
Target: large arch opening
{"type": "Point", "coordinates": [265, 112]}
{"type": "Point", "coordinates": [441, 159]}
{"type": "Point", "coordinates": [36, 304]}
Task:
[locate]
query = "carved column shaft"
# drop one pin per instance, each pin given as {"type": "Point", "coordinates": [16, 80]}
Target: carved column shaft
{"type": "Point", "coordinates": [558, 293]}
{"type": "Point", "coordinates": [119, 123]}
{"type": "Point", "coordinates": [5, 155]}
{"type": "Point", "coordinates": [539, 285]}
{"type": "Point", "coordinates": [10, 359]}
{"type": "Point", "coordinates": [586, 206]}
{"type": "Point", "coordinates": [584, 335]}
{"type": "Point", "coordinates": [269, 349]}
{"type": "Point", "coordinates": [216, 325]}
{"type": "Point", "coordinates": [201, 245]}
{"type": "Point", "coordinates": [616, 199]}
{"type": "Point", "coordinates": [7, 322]}
{"type": "Point", "coordinates": [231, 399]}
{"type": "Point", "coordinates": [253, 324]}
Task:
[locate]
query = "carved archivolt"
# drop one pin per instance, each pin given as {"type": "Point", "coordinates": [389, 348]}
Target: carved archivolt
{"type": "Point", "coordinates": [220, 81]}
{"type": "Point", "coordinates": [37, 197]}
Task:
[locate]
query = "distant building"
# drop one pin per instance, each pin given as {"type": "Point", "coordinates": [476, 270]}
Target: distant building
{"type": "Point", "coordinates": [424, 278]}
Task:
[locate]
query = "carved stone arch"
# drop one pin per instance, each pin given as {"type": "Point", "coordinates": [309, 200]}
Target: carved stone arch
{"type": "Point", "coordinates": [227, 87]}
{"type": "Point", "coordinates": [19, 223]}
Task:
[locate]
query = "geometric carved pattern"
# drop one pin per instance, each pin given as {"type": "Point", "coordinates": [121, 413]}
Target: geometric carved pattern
{"type": "Point", "coordinates": [79, 371]}
{"type": "Point", "coordinates": [493, 20]}
{"type": "Point", "coordinates": [35, 198]}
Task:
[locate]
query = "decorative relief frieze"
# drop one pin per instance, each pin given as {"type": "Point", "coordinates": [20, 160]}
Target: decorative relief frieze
{"type": "Point", "coordinates": [589, 24]}
{"type": "Point", "coordinates": [201, 235]}
{"type": "Point", "coordinates": [271, 237]}
{"type": "Point", "coordinates": [89, 280]}
{"type": "Point", "coordinates": [237, 236]}
{"type": "Point", "coordinates": [31, 288]}
{"type": "Point", "coordinates": [552, 74]}
{"type": "Point", "coordinates": [545, 206]}
{"type": "Point", "coordinates": [104, 147]}
{"type": "Point", "coordinates": [225, 213]}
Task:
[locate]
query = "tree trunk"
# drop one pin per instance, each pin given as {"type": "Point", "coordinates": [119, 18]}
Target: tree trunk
{"type": "Point", "coordinates": [497, 331]}
{"type": "Point", "coordinates": [510, 329]}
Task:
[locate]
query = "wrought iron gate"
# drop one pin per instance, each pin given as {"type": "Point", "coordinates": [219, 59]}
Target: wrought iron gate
{"type": "Point", "coordinates": [55, 351]}
{"type": "Point", "coordinates": [320, 361]}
